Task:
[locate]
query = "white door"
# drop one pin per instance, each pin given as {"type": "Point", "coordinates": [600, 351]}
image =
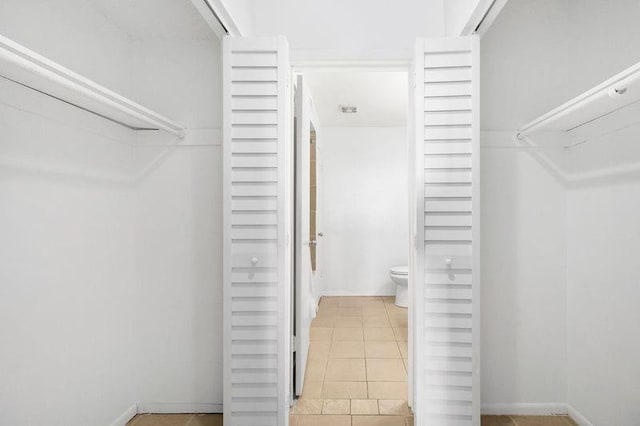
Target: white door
{"type": "Point", "coordinates": [305, 232]}
{"type": "Point", "coordinates": [256, 252]}
{"type": "Point", "coordinates": [446, 265]}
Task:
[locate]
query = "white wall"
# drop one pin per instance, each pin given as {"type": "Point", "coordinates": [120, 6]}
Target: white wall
{"type": "Point", "coordinates": [243, 14]}
{"type": "Point", "coordinates": [603, 293]}
{"type": "Point", "coordinates": [68, 226]}
{"type": "Point", "coordinates": [364, 208]}
{"type": "Point", "coordinates": [603, 233]}
{"type": "Point", "coordinates": [456, 15]}
{"type": "Point", "coordinates": [179, 309]}
{"type": "Point", "coordinates": [523, 286]}
{"type": "Point", "coordinates": [523, 309]}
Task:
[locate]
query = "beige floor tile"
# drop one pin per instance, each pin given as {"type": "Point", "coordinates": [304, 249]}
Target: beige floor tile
{"type": "Point", "coordinates": [387, 390]}
{"type": "Point", "coordinates": [374, 302]}
{"type": "Point", "coordinates": [401, 334]}
{"type": "Point", "coordinates": [321, 420]}
{"type": "Point", "coordinates": [394, 310]}
{"type": "Point", "coordinates": [496, 421]}
{"type": "Point", "coordinates": [406, 364]}
{"type": "Point", "coordinates": [329, 301]}
{"type": "Point", "coordinates": [319, 349]}
{"type": "Point", "coordinates": [328, 309]}
{"type": "Point", "coordinates": [351, 333]}
{"type": "Point", "coordinates": [398, 321]}
{"type": "Point", "coordinates": [350, 302]}
{"type": "Point", "coordinates": [336, 406]}
{"type": "Point", "coordinates": [320, 333]}
{"type": "Point", "coordinates": [403, 346]}
{"type": "Point", "coordinates": [350, 311]}
{"type": "Point", "coordinates": [343, 322]}
{"type": "Point", "coordinates": [346, 349]}
{"type": "Point", "coordinates": [377, 421]}
{"type": "Point", "coordinates": [408, 420]}
{"type": "Point", "coordinates": [344, 390]}
{"type": "Point", "coordinates": [364, 406]}
{"type": "Point", "coordinates": [539, 421]}
{"type": "Point", "coordinates": [386, 370]}
{"type": "Point", "coordinates": [294, 420]}
{"type": "Point", "coordinates": [307, 406]}
{"type": "Point", "coordinates": [312, 390]}
{"type": "Point", "coordinates": [161, 419]}
{"type": "Point", "coordinates": [345, 370]}
{"type": "Point", "coordinates": [379, 333]}
{"type": "Point", "coordinates": [381, 349]}
{"type": "Point", "coordinates": [570, 421]}
{"type": "Point", "coordinates": [315, 370]}
{"type": "Point", "coordinates": [395, 407]}
{"type": "Point", "coordinates": [389, 299]}
{"type": "Point", "coordinates": [206, 420]}
{"type": "Point", "coordinates": [324, 320]}
{"type": "Point", "coordinates": [376, 321]}
{"type": "Point", "coordinates": [374, 310]}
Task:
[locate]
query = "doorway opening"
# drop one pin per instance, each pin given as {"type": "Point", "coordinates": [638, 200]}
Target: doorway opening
{"type": "Point", "coordinates": [351, 345]}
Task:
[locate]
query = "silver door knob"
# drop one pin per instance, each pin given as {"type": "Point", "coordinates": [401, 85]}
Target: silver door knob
{"type": "Point", "coordinates": [320, 234]}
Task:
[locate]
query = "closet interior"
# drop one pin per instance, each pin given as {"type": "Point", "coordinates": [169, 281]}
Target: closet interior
{"type": "Point", "coordinates": [110, 183]}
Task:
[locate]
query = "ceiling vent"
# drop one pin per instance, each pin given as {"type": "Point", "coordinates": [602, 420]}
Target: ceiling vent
{"type": "Point", "coordinates": [348, 109]}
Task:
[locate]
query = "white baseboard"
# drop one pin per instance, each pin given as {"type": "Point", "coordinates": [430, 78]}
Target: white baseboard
{"type": "Point", "coordinates": [178, 407]}
{"type": "Point", "coordinates": [578, 418]}
{"type": "Point", "coordinates": [126, 416]}
{"type": "Point", "coordinates": [531, 409]}
{"type": "Point", "coordinates": [347, 293]}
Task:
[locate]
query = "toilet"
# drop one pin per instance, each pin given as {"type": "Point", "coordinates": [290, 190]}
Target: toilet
{"type": "Point", "coordinates": [400, 276]}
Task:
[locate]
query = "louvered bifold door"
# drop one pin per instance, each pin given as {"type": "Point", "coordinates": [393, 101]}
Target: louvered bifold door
{"type": "Point", "coordinates": [255, 139]}
{"type": "Point", "coordinates": [447, 307]}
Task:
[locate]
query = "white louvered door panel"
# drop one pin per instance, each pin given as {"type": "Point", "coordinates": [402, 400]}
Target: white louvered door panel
{"type": "Point", "coordinates": [447, 267]}
{"type": "Point", "coordinates": [256, 326]}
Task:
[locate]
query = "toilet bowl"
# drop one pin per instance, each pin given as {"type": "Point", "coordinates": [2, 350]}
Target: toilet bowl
{"type": "Point", "coordinates": [400, 276]}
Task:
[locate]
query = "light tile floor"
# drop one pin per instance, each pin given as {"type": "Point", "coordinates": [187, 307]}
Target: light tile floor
{"type": "Point", "coordinates": [357, 366]}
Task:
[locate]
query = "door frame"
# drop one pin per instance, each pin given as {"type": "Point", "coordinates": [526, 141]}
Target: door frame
{"type": "Point", "coordinates": [279, 348]}
{"type": "Point", "coordinates": [304, 66]}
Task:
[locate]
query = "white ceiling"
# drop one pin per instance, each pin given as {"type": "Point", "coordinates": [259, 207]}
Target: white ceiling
{"type": "Point", "coordinates": [381, 98]}
{"type": "Point", "coordinates": [157, 19]}
{"type": "Point", "coordinates": [350, 29]}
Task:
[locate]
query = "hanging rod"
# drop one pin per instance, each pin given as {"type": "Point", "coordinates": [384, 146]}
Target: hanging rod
{"type": "Point", "coordinates": [27, 68]}
{"type": "Point", "coordinates": [614, 94]}
{"type": "Point", "coordinates": [215, 16]}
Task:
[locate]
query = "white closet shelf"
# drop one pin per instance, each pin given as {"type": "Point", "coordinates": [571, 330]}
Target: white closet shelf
{"type": "Point", "coordinates": [25, 67]}
{"type": "Point", "coordinates": [609, 106]}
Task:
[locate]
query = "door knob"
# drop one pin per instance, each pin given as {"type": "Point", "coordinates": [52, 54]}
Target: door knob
{"type": "Point", "coordinates": [320, 234]}
{"type": "Point", "coordinates": [448, 262]}
{"type": "Point", "coordinates": [254, 260]}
